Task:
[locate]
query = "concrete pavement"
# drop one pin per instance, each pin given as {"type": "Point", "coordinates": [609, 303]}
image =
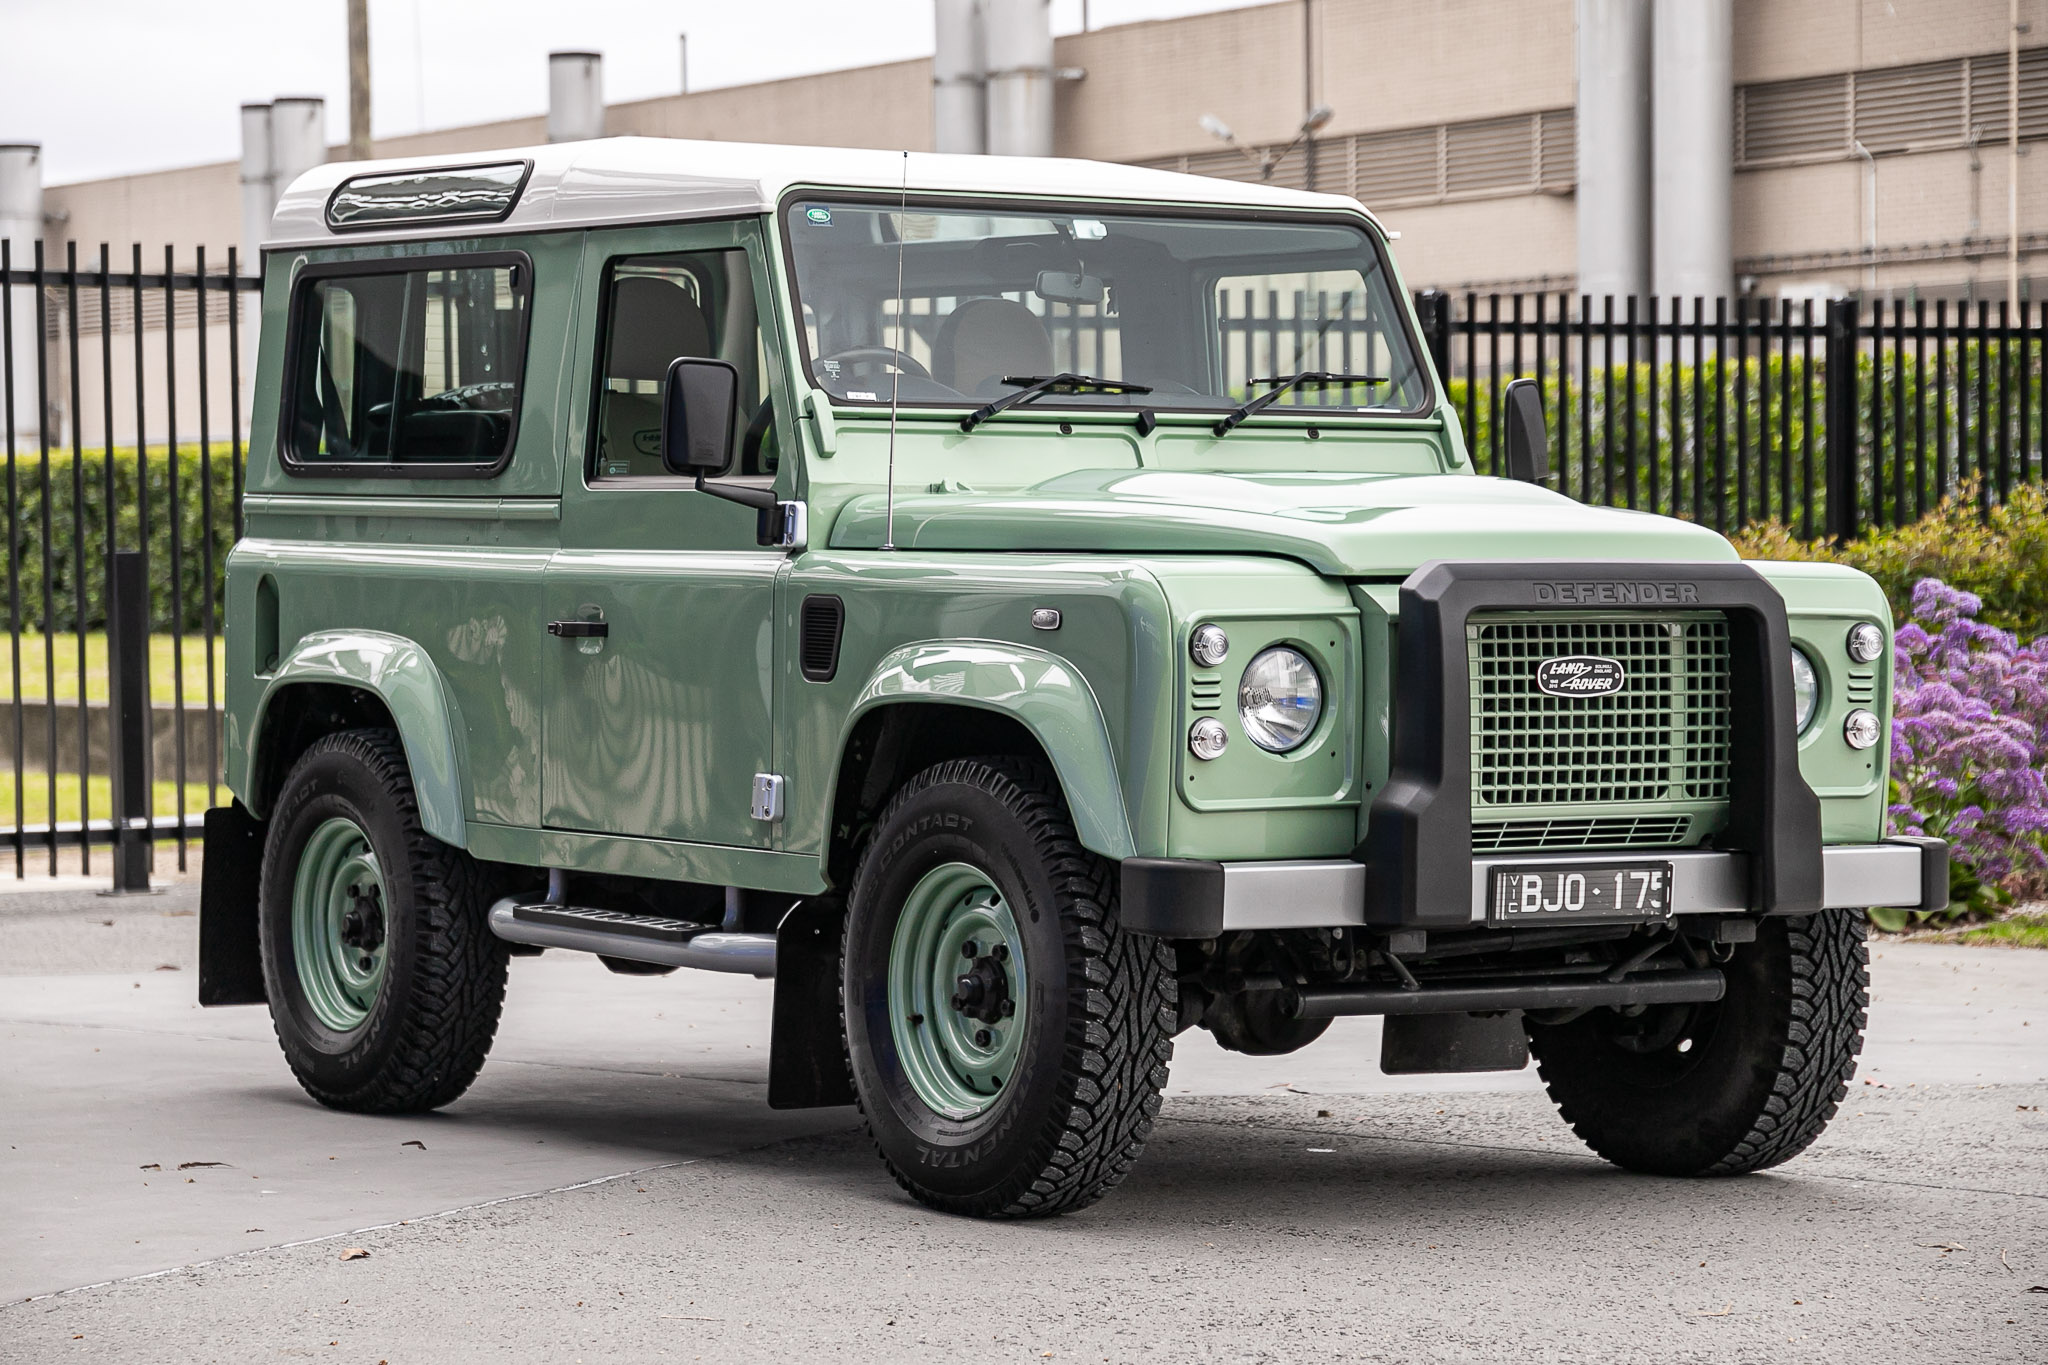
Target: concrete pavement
{"type": "Point", "coordinates": [1371, 1217]}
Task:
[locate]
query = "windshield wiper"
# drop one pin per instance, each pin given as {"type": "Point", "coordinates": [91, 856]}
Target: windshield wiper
{"type": "Point", "coordinates": [1305, 379]}
{"type": "Point", "coordinates": [1038, 385]}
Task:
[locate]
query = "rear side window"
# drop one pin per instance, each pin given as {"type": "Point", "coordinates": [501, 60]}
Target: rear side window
{"type": "Point", "coordinates": [396, 368]}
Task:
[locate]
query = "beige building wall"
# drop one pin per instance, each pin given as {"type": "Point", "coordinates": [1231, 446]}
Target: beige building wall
{"type": "Point", "coordinates": [1428, 71]}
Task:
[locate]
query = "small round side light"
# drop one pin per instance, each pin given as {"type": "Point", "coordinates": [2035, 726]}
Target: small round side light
{"type": "Point", "coordinates": [1865, 642]}
{"type": "Point", "coordinates": [1207, 738]}
{"type": "Point", "coordinates": [1209, 646]}
{"type": "Point", "coordinates": [1860, 729]}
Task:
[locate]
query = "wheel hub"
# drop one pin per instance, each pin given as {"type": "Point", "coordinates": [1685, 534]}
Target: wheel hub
{"type": "Point", "coordinates": [362, 924]}
{"type": "Point", "coordinates": [983, 990]}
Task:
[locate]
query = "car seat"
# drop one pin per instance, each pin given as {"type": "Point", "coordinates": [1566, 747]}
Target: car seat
{"type": "Point", "coordinates": [653, 320]}
{"type": "Point", "coordinates": [984, 341]}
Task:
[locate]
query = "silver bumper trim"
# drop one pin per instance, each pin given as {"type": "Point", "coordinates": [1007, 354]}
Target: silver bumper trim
{"type": "Point", "coordinates": [1328, 893]}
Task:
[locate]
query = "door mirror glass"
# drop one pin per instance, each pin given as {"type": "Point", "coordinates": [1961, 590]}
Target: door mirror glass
{"type": "Point", "coordinates": [699, 401]}
{"type": "Point", "coordinates": [1528, 442]}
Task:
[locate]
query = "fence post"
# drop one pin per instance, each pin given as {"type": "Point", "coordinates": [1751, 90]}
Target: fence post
{"type": "Point", "coordinates": [1433, 306]}
{"type": "Point", "coordinates": [128, 676]}
{"type": "Point", "coordinates": [1843, 519]}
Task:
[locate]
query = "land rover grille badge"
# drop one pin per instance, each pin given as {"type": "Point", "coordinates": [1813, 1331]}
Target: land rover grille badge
{"type": "Point", "coordinates": [1580, 675]}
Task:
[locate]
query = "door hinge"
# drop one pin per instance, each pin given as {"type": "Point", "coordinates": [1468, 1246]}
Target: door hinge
{"type": "Point", "coordinates": [768, 797]}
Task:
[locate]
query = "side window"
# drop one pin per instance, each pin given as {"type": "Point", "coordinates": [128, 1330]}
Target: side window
{"type": "Point", "coordinates": [396, 370]}
{"type": "Point", "coordinates": [695, 303]}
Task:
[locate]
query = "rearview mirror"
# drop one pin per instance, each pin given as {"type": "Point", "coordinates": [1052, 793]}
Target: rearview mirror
{"type": "Point", "coordinates": [1057, 286]}
{"type": "Point", "coordinates": [699, 402]}
{"type": "Point", "coordinates": [1528, 442]}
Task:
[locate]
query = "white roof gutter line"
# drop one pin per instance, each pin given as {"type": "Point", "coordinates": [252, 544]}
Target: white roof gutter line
{"type": "Point", "coordinates": [688, 181]}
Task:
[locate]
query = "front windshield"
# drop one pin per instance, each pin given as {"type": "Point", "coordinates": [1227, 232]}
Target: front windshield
{"type": "Point", "coordinates": [1199, 310]}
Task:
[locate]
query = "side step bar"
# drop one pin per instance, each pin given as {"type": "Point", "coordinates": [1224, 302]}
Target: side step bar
{"type": "Point", "coordinates": [637, 938]}
{"type": "Point", "coordinates": [1652, 988]}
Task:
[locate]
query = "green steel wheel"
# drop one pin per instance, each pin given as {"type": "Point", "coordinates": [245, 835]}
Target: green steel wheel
{"type": "Point", "coordinates": [1007, 1040]}
{"type": "Point", "coordinates": [384, 980]}
{"type": "Point", "coordinates": [338, 940]}
{"type": "Point", "coordinates": [959, 1001]}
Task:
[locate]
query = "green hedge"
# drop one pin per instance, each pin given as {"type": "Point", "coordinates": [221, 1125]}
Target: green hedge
{"type": "Point", "coordinates": [1764, 400]}
{"type": "Point", "coordinates": [2002, 557]}
{"type": "Point", "coordinates": [81, 522]}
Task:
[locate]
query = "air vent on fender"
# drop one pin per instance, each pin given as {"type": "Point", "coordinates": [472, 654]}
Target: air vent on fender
{"type": "Point", "coordinates": [818, 637]}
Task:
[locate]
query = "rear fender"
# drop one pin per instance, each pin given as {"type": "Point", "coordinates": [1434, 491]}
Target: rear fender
{"type": "Point", "coordinates": [405, 679]}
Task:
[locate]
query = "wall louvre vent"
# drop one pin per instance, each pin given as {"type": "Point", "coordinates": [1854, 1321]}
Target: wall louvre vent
{"type": "Point", "coordinates": [1793, 118]}
{"type": "Point", "coordinates": [818, 632]}
{"type": "Point", "coordinates": [1907, 106]}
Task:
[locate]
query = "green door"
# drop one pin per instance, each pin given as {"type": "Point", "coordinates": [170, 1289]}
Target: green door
{"type": "Point", "coordinates": [657, 727]}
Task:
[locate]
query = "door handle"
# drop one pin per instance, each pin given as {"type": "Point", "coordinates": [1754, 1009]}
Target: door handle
{"type": "Point", "coordinates": [579, 629]}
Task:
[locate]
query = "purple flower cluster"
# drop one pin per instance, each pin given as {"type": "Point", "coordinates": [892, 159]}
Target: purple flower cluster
{"type": "Point", "coordinates": [1970, 739]}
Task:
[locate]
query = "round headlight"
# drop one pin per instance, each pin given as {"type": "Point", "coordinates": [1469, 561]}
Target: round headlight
{"type": "Point", "coordinates": [1280, 699]}
{"type": "Point", "coordinates": [1208, 645]}
{"type": "Point", "coordinates": [1866, 642]}
{"type": "Point", "coordinates": [1805, 690]}
{"type": "Point", "coordinates": [1860, 729]}
{"type": "Point", "coordinates": [1207, 738]}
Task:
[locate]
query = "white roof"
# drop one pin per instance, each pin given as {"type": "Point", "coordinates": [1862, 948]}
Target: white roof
{"type": "Point", "coordinates": [649, 179]}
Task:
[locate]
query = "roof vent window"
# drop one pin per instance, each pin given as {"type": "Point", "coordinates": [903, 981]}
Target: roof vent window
{"type": "Point", "coordinates": [460, 194]}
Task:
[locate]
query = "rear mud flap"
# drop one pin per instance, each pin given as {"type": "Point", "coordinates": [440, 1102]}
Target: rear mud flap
{"type": "Point", "coordinates": [230, 881]}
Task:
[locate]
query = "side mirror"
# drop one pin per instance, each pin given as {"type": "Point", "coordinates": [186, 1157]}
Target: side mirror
{"type": "Point", "coordinates": [699, 404]}
{"type": "Point", "coordinates": [1528, 442]}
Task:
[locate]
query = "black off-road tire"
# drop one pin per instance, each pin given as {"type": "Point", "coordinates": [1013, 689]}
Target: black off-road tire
{"type": "Point", "coordinates": [1730, 1087]}
{"type": "Point", "coordinates": [1077, 1112]}
{"type": "Point", "coordinates": [430, 1027]}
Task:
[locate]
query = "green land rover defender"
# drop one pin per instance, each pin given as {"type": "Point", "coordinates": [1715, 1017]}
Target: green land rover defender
{"type": "Point", "coordinates": [1029, 608]}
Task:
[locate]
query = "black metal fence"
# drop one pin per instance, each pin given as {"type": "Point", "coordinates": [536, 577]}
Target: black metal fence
{"type": "Point", "coordinates": [125, 431]}
{"type": "Point", "coordinates": [124, 434]}
{"type": "Point", "coordinates": [1827, 416]}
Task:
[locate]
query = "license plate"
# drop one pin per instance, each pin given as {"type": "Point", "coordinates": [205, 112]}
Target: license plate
{"type": "Point", "coordinates": [1578, 892]}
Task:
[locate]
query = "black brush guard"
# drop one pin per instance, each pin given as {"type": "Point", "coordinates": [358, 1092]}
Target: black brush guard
{"type": "Point", "coordinates": [1418, 843]}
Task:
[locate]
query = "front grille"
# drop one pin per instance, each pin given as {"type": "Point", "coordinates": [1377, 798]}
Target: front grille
{"type": "Point", "coordinates": [1662, 737]}
{"type": "Point", "coordinates": [1611, 831]}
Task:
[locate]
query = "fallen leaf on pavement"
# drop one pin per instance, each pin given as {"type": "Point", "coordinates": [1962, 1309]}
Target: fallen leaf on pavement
{"type": "Point", "coordinates": [2007, 1264]}
{"type": "Point", "coordinates": [152, 1166]}
{"type": "Point", "coordinates": [1721, 1313]}
{"type": "Point", "coordinates": [195, 1165]}
{"type": "Point", "coordinates": [414, 1143]}
{"type": "Point", "coordinates": [167, 966]}
{"type": "Point", "coordinates": [354, 1254]}
{"type": "Point", "coordinates": [2037, 1289]}
{"type": "Point", "coordinates": [1944, 1247]}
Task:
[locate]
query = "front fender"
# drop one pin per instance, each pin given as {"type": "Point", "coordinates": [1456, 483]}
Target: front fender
{"type": "Point", "coordinates": [401, 675]}
{"type": "Point", "coordinates": [1044, 692]}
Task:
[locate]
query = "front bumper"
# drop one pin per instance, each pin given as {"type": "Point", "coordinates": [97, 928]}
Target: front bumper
{"type": "Point", "coordinates": [1190, 898]}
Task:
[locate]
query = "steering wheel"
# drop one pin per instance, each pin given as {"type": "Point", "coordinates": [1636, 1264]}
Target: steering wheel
{"type": "Point", "coordinates": [858, 356]}
{"type": "Point", "coordinates": [757, 432]}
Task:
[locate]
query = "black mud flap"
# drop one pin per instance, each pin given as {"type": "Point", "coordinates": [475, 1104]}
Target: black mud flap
{"type": "Point", "coordinates": [1413, 1044]}
{"type": "Point", "coordinates": [230, 880]}
{"type": "Point", "coordinates": [807, 1051]}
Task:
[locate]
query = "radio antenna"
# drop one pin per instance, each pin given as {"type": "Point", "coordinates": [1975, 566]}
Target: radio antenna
{"type": "Point", "coordinates": [896, 370]}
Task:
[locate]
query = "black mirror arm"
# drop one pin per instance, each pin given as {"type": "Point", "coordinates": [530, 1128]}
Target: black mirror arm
{"type": "Point", "coordinates": [760, 499]}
